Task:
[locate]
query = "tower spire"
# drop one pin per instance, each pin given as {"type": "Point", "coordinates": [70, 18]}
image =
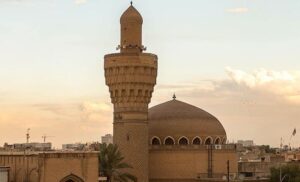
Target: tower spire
{"type": "Point", "coordinates": [174, 96]}
{"type": "Point", "coordinates": [130, 91]}
{"type": "Point", "coordinates": [131, 31]}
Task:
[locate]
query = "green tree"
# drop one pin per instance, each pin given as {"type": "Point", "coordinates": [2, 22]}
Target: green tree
{"type": "Point", "coordinates": [292, 172]}
{"type": "Point", "coordinates": [112, 165]}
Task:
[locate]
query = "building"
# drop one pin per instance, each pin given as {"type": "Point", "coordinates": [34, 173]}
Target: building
{"type": "Point", "coordinates": [108, 139]}
{"type": "Point", "coordinates": [246, 143]}
{"type": "Point", "coordinates": [74, 147]}
{"type": "Point", "coordinates": [50, 166]}
{"type": "Point", "coordinates": [28, 146]}
{"type": "Point", "coordinates": [173, 141]}
{"type": "Point", "coordinates": [260, 168]}
{"type": "Point", "coordinates": [293, 155]}
{"type": "Point", "coordinates": [188, 144]}
{"type": "Point", "coordinates": [131, 76]}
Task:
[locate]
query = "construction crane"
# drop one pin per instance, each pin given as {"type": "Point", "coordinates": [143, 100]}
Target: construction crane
{"type": "Point", "coordinates": [27, 135]}
{"type": "Point", "coordinates": [45, 137]}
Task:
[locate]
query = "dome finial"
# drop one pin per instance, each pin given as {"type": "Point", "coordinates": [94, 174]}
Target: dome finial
{"type": "Point", "coordinates": [174, 96]}
{"type": "Point", "coordinates": [131, 3]}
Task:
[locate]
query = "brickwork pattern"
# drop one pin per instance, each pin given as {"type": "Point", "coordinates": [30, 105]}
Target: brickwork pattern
{"type": "Point", "coordinates": [131, 77]}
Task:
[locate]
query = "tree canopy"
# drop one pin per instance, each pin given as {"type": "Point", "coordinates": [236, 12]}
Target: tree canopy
{"type": "Point", "coordinates": [112, 165]}
{"type": "Point", "coordinates": [291, 171]}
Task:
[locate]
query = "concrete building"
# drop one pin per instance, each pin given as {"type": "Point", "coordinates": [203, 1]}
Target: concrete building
{"type": "Point", "coordinates": [293, 155]}
{"type": "Point", "coordinates": [73, 147]}
{"type": "Point", "coordinates": [259, 169]}
{"type": "Point", "coordinates": [50, 166]}
{"type": "Point", "coordinates": [173, 141]}
{"type": "Point", "coordinates": [108, 139]}
{"type": "Point", "coordinates": [246, 143]}
{"type": "Point", "coordinates": [28, 146]}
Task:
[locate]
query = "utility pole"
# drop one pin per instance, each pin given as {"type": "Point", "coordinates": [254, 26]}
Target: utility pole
{"type": "Point", "coordinates": [228, 170]}
{"type": "Point", "coordinates": [27, 135]}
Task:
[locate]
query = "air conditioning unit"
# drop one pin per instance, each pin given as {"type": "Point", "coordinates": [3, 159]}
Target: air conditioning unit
{"type": "Point", "coordinates": [218, 147]}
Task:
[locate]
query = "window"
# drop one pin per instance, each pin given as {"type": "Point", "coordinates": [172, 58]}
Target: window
{"type": "Point", "coordinates": [140, 92]}
{"type": "Point", "coordinates": [208, 141]}
{"type": "Point", "coordinates": [224, 140]}
{"type": "Point", "coordinates": [155, 141]}
{"type": "Point", "coordinates": [169, 141]}
{"type": "Point", "coordinates": [218, 141]}
{"type": "Point", "coordinates": [123, 93]}
{"type": "Point", "coordinates": [71, 178]}
{"type": "Point", "coordinates": [197, 141]}
{"type": "Point", "coordinates": [131, 93]}
{"type": "Point", "coordinates": [183, 141]}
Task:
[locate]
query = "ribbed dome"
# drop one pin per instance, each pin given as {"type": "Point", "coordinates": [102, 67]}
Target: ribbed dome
{"type": "Point", "coordinates": [175, 118]}
{"type": "Point", "coordinates": [131, 15]}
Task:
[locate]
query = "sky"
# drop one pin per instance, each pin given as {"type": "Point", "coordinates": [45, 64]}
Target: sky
{"type": "Point", "coordinates": [237, 59]}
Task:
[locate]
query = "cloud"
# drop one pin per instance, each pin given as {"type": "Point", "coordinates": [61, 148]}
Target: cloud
{"type": "Point", "coordinates": [248, 103]}
{"type": "Point", "coordinates": [86, 111]}
{"type": "Point", "coordinates": [80, 2]}
{"type": "Point", "coordinates": [57, 108]}
{"type": "Point", "coordinates": [238, 10]}
{"type": "Point", "coordinates": [258, 77]}
{"type": "Point", "coordinates": [280, 83]}
{"type": "Point", "coordinates": [67, 121]}
{"type": "Point", "coordinates": [18, 2]}
{"type": "Point", "coordinates": [95, 111]}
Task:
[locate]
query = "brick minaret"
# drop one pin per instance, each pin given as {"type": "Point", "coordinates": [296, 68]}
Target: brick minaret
{"type": "Point", "coordinates": [131, 76]}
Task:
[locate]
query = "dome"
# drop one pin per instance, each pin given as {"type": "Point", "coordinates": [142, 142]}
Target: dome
{"type": "Point", "coordinates": [177, 119]}
{"type": "Point", "coordinates": [131, 15]}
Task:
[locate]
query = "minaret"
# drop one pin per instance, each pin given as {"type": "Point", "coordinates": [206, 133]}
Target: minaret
{"type": "Point", "coordinates": [131, 76]}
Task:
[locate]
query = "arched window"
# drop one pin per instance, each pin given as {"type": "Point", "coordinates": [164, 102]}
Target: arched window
{"type": "Point", "coordinates": [71, 178]}
{"type": "Point", "coordinates": [183, 141]}
{"type": "Point", "coordinates": [208, 141]}
{"type": "Point", "coordinates": [155, 141]}
{"type": "Point", "coordinates": [169, 141]}
{"type": "Point", "coordinates": [224, 140]}
{"type": "Point", "coordinates": [197, 141]}
{"type": "Point", "coordinates": [218, 141]}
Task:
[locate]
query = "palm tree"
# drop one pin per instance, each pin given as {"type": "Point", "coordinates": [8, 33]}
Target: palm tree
{"type": "Point", "coordinates": [112, 165]}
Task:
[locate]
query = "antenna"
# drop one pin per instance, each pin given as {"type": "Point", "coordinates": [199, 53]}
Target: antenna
{"type": "Point", "coordinates": [27, 135]}
{"type": "Point", "coordinates": [45, 137]}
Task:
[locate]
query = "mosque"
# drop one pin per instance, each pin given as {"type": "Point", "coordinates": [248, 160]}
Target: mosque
{"type": "Point", "coordinates": [173, 141]}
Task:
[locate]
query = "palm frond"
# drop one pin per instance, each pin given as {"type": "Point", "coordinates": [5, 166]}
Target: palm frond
{"type": "Point", "coordinates": [112, 166]}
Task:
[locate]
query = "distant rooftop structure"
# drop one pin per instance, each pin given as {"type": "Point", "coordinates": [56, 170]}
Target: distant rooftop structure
{"type": "Point", "coordinates": [89, 146]}
{"type": "Point", "coordinates": [108, 139]}
{"type": "Point", "coordinates": [28, 146]}
{"type": "Point", "coordinates": [74, 147]}
{"type": "Point", "coordinates": [246, 143]}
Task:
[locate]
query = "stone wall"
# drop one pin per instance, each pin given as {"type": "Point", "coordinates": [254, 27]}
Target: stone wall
{"type": "Point", "coordinates": [51, 167]}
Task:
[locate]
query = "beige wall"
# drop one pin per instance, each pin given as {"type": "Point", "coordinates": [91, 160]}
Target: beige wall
{"type": "Point", "coordinates": [21, 166]}
{"type": "Point", "coordinates": [51, 167]}
{"type": "Point", "coordinates": [187, 163]}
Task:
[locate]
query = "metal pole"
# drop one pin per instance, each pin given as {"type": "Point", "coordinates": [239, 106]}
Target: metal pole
{"type": "Point", "coordinates": [228, 170]}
